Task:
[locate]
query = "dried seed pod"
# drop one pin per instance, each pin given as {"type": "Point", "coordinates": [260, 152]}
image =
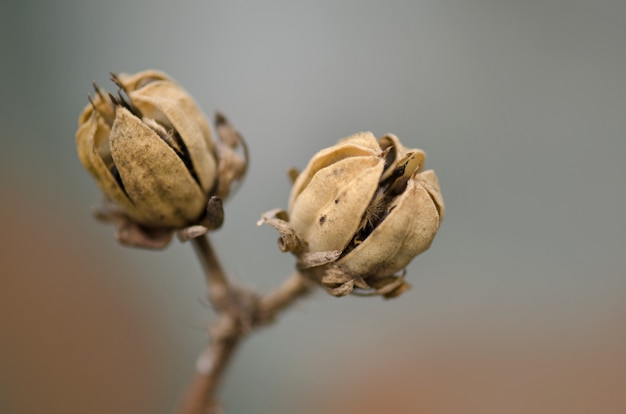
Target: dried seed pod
{"type": "Point", "coordinates": [151, 151]}
{"type": "Point", "coordinates": [370, 201]}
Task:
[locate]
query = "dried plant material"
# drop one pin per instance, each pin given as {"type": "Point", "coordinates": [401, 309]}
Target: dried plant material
{"type": "Point", "coordinates": [358, 213]}
{"type": "Point", "coordinates": [370, 201]}
{"type": "Point", "coordinates": [151, 152]}
{"type": "Point", "coordinates": [232, 165]}
{"type": "Point", "coordinates": [315, 259]}
{"type": "Point", "coordinates": [290, 240]}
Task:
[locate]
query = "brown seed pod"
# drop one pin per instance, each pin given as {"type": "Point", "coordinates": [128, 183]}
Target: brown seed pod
{"type": "Point", "coordinates": [369, 200]}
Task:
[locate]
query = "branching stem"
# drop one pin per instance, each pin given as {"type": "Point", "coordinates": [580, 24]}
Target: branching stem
{"type": "Point", "coordinates": [239, 310]}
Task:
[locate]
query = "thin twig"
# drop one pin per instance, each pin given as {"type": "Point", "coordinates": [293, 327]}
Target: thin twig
{"type": "Point", "coordinates": [200, 397]}
{"type": "Point", "coordinates": [239, 311]}
{"type": "Point", "coordinates": [295, 287]}
{"type": "Point", "coordinates": [213, 270]}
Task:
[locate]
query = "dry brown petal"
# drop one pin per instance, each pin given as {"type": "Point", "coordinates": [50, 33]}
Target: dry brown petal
{"type": "Point", "coordinates": [408, 230]}
{"type": "Point", "coordinates": [157, 182]}
{"type": "Point", "coordinates": [328, 211]}
{"type": "Point", "coordinates": [172, 107]}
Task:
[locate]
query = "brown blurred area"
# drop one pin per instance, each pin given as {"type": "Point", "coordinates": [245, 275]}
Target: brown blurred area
{"type": "Point", "coordinates": [463, 375]}
{"type": "Point", "coordinates": [71, 339]}
{"type": "Point", "coordinates": [484, 372]}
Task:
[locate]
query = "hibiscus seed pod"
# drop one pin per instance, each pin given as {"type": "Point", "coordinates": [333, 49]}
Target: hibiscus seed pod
{"type": "Point", "coordinates": [152, 153]}
{"type": "Point", "coordinates": [367, 206]}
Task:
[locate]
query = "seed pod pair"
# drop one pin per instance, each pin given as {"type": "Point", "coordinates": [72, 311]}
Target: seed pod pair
{"type": "Point", "coordinates": [358, 214]}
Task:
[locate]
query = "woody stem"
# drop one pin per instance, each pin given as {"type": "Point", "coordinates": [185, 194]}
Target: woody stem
{"type": "Point", "coordinates": [239, 311]}
{"type": "Point", "coordinates": [225, 335]}
{"type": "Point", "coordinates": [213, 270]}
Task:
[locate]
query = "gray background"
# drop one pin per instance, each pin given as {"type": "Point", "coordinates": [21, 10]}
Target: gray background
{"type": "Point", "coordinates": [520, 107]}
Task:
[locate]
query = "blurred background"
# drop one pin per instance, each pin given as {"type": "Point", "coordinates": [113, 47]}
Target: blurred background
{"type": "Point", "coordinates": [519, 306]}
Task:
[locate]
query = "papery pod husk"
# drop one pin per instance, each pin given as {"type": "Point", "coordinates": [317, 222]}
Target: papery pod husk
{"type": "Point", "coordinates": [168, 103]}
{"type": "Point", "coordinates": [330, 196]}
{"type": "Point", "coordinates": [361, 144]}
{"type": "Point", "coordinates": [408, 230]}
{"type": "Point", "coordinates": [159, 185]}
{"type": "Point", "coordinates": [93, 133]}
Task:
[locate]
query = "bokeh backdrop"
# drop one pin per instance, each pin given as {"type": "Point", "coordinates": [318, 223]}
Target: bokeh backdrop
{"type": "Point", "coordinates": [519, 306]}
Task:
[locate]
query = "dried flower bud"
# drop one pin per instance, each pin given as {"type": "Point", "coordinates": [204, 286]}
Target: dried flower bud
{"type": "Point", "coordinates": [151, 151]}
{"type": "Point", "coordinates": [362, 210]}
